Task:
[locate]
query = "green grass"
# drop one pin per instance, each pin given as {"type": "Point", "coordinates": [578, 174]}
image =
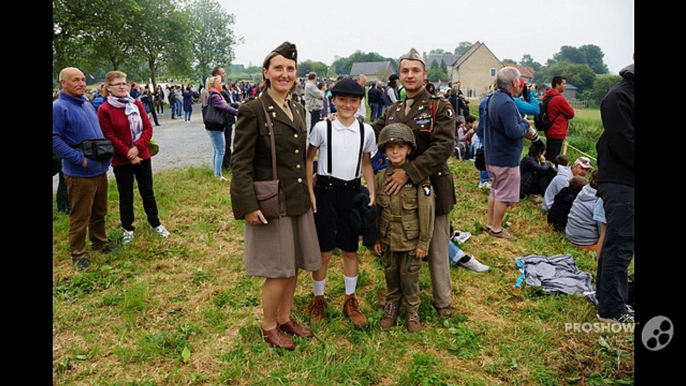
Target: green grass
{"type": "Point", "coordinates": [181, 311]}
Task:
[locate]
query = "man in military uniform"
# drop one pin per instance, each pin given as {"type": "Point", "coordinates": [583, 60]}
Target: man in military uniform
{"type": "Point", "coordinates": [405, 224]}
{"type": "Point", "coordinates": [432, 121]}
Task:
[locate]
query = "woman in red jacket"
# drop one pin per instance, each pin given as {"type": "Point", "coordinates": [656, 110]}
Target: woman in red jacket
{"type": "Point", "coordinates": [123, 121]}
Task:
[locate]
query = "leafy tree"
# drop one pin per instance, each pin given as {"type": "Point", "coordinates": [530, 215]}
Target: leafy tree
{"type": "Point", "coordinates": [304, 68]}
{"type": "Point", "coordinates": [528, 61]}
{"type": "Point", "coordinates": [212, 38]}
{"type": "Point", "coordinates": [510, 61]}
{"type": "Point", "coordinates": [588, 54]}
{"type": "Point", "coordinates": [602, 84]}
{"type": "Point", "coordinates": [579, 75]}
{"type": "Point", "coordinates": [439, 51]}
{"type": "Point", "coordinates": [462, 48]}
{"type": "Point", "coordinates": [344, 64]}
{"type": "Point", "coordinates": [594, 58]}
{"type": "Point", "coordinates": [163, 32]}
{"type": "Point", "coordinates": [87, 37]}
{"type": "Point", "coordinates": [444, 67]}
{"type": "Point", "coordinates": [308, 66]}
{"type": "Point", "coordinates": [436, 74]}
{"type": "Point", "coordinates": [234, 68]}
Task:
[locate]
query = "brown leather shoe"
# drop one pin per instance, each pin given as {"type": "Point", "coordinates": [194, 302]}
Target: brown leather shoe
{"type": "Point", "coordinates": [390, 314]}
{"type": "Point", "coordinates": [444, 312]}
{"type": "Point", "coordinates": [352, 310]}
{"type": "Point", "coordinates": [293, 328]}
{"type": "Point", "coordinates": [317, 310]}
{"type": "Point", "coordinates": [413, 323]}
{"type": "Point", "coordinates": [277, 339]}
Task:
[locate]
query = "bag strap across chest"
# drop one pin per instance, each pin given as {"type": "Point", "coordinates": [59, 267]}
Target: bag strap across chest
{"type": "Point", "coordinates": [270, 126]}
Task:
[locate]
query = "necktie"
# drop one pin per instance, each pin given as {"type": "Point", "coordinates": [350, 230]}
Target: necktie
{"type": "Point", "coordinates": [408, 105]}
{"type": "Point", "coordinates": [287, 109]}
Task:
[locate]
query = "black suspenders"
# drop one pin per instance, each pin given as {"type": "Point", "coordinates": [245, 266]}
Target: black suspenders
{"type": "Point", "coordinates": [329, 157]}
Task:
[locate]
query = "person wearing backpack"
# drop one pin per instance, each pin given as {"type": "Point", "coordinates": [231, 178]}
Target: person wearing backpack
{"type": "Point", "coordinates": [391, 94]}
{"type": "Point", "coordinates": [560, 112]}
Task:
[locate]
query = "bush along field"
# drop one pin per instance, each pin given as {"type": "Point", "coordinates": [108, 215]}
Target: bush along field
{"type": "Point", "coordinates": [181, 311]}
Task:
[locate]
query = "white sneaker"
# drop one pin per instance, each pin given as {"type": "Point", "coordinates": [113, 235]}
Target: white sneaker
{"type": "Point", "coordinates": [485, 184]}
{"type": "Point", "coordinates": [161, 230]}
{"type": "Point", "coordinates": [128, 236]}
{"type": "Point", "coordinates": [474, 265]}
{"type": "Point", "coordinates": [461, 237]}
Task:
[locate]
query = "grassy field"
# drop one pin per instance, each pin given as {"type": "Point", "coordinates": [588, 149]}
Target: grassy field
{"type": "Point", "coordinates": [181, 311]}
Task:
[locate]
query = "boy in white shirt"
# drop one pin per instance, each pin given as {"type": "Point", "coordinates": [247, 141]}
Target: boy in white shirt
{"type": "Point", "coordinates": [344, 147]}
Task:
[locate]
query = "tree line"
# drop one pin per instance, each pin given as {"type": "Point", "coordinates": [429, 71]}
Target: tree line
{"type": "Point", "coordinates": [149, 39]}
{"type": "Point", "coordinates": [144, 38]}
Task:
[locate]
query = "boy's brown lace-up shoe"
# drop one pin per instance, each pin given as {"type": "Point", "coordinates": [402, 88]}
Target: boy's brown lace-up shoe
{"type": "Point", "coordinates": [444, 312]}
{"type": "Point", "coordinates": [277, 339]}
{"type": "Point", "coordinates": [317, 310]}
{"type": "Point", "coordinates": [390, 314]}
{"type": "Point", "coordinates": [413, 323]}
{"type": "Point", "coordinates": [352, 310]}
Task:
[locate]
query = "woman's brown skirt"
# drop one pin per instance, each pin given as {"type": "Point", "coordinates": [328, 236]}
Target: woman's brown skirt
{"type": "Point", "coordinates": [279, 248]}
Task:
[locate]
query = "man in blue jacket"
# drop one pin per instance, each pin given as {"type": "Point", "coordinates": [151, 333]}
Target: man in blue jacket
{"type": "Point", "coordinates": [504, 131]}
{"type": "Point", "coordinates": [74, 120]}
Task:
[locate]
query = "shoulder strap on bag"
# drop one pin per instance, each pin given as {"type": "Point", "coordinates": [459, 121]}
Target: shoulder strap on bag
{"type": "Point", "coordinates": [271, 138]}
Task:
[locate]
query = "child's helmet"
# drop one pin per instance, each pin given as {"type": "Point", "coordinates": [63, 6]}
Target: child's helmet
{"type": "Point", "coordinates": [398, 133]}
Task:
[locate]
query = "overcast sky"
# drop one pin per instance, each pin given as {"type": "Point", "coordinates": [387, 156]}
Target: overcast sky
{"type": "Point", "coordinates": [323, 29]}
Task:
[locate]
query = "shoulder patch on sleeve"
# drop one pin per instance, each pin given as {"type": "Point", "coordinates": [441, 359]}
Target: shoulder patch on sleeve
{"type": "Point", "coordinates": [449, 112]}
{"type": "Point", "coordinates": [427, 189]}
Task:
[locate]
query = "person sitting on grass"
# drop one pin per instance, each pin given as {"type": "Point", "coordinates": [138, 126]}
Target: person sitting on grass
{"type": "Point", "coordinates": [562, 203]}
{"type": "Point", "coordinates": [458, 258]}
{"type": "Point", "coordinates": [536, 172]}
{"type": "Point", "coordinates": [581, 167]}
{"type": "Point", "coordinates": [582, 229]}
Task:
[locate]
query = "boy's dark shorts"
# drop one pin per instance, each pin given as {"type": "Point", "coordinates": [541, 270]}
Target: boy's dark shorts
{"type": "Point", "coordinates": [334, 202]}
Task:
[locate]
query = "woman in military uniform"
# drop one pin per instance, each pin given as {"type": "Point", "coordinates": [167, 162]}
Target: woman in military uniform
{"type": "Point", "coordinates": [277, 248]}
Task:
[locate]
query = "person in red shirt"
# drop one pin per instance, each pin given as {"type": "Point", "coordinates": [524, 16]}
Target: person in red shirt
{"type": "Point", "coordinates": [124, 122]}
{"type": "Point", "coordinates": [561, 112]}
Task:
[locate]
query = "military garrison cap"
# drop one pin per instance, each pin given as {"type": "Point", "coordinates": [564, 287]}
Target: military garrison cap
{"type": "Point", "coordinates": [347, 87]}
{"type": "Point", "coordinates": [398, 133]}
{"type": "Point", "coordinates": [412, 54]}
{"type": "Point", "coordinates": [286, 49]}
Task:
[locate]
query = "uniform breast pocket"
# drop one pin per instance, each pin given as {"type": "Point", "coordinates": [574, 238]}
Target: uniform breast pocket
{"type": "Point", "coordinates": [409, 201]}
{"type": "Point", "coordinates": [264, 130]}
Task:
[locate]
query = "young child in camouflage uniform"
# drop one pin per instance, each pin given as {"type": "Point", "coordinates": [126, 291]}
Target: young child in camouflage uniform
{"type": "Point", "coordinates": [405, 224]}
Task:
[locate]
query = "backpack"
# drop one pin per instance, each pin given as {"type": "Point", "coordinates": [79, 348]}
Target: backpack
{"type": "Point", "coordinates": [542, 120]}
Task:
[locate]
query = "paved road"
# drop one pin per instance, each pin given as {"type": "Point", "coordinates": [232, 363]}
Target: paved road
{"type": "Point", "coordinates": [182, 144]}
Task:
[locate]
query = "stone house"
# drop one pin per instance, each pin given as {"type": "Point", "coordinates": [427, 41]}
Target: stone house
{"type": "Point", "coordinates": [476, 70]}
{"type": "Point", "coordinates": [375, 71]}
